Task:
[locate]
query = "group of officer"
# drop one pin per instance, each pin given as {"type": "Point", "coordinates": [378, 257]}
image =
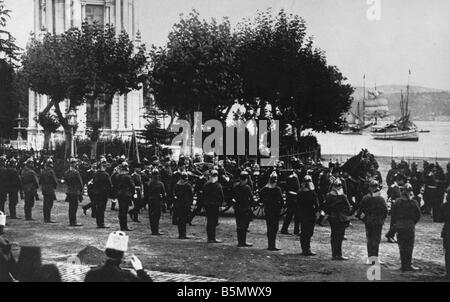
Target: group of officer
{"type": "Point", "coordinates": [308, 195]}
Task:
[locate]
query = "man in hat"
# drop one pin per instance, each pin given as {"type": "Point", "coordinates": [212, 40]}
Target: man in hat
{"type": "Point", "coordinates": [30, 184]}
{"type": "Point", "coordinates": [243, 197]}
{"type": "Point", "coordinates": [292, 188]}
{"type": "Point", "coordinates": [13, 185]}
{"type": "Point", "coordinates": [48, 182]}
{"type": "Point", "coordinates": [101, 190]}
{"type": "Point", "coordinates": [74, 183]}
{"type": "Point", "coordinates": [272, 198]}
{"type": "Point", "coordinates": [373, 211]}
{"type": "Point", "coordinates": [116, 246]}
{"type": "Point", "coordinates": [338, 209]}
{"type": "Point", "coordinates": [125, 190]}
{"type": "Point", "coordinates": [138, 194]}
{"type": "Point", "coordinates": [154, 194]}
{"type": "Point", "coordinates": [394, 193]}
{"type": "Point", "coordinates": [213, 199]}
{"type": "Point", "coordinates": [183, 199]}
{"type": "Point", "coordinates": [307, 207]}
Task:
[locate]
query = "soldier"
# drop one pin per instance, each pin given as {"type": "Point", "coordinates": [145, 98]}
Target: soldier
{"type": "Point", "coordinates": [3, 181]}
{"type": "Point", "coordinates": [138, 194]}
{"type": "Point", "coordinates": [154, 194]}
{"type": "Point", "coordinates": [48, 184]}
{"type": "Point", "coordinates": [416, 180]}
{"type": "Point", "coordinates": [13, 186]}
{"type": "Point", "coordinates": [391, 174]}
{"type": "Point", "coordinates": [166, 175]}
{"type": "Point", "coordinates": [445, 215]}
{"type": "Point", "coordinates": [373, 211]}
{"type": "Point", "coordinates": [243, 197]}
{"type": "Point", "coordinates": [405, 215]}
{"type": "Point", "coordinates": [101, 190]}
{"type": "Point", "coordinates": [393, 193]}
{"type": "Point", "coordinates": [183, 198]}
{"type": "Point", "coordinates": [30, 184]}
{"type": "Point", "coordinates": [292, 188]}
{"type": "Point", "coordinates": [338, 208]}
{"type": "Point", "coordinates": [116, 247]}
{"type": "Point", "coordinates": [272, 198]}
{"type": "Point", "coordinates": [74, 183]}
{"type": "Point", "coordinates": [307, 207]}
{"type": "Point", "coordinates": [438, 198]}
{"type": "Point", "coordinates": [213, 199]}
{"type": "Point", "coordinates": [125, 190]}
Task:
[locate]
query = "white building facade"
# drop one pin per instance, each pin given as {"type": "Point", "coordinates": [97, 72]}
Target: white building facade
{"type": "Point", "coordinates": [57, 16]}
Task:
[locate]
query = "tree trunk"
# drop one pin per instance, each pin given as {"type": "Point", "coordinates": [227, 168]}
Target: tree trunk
{"type": "Point", "coordinates": [47, 137]}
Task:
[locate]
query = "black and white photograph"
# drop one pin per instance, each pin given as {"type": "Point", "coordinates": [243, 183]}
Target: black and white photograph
{"type": "Point", "coordinates": [237, 145]}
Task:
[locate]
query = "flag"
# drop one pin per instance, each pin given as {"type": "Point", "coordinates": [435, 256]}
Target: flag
{"type": "Point", "coordinates": [410, 72]}
{"type": "Point", "coordinates": [133, 154]}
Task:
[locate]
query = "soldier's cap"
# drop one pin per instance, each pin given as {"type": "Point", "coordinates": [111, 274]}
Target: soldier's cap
{"type": "Point", "coordinates": [307, 178]}
{"type": "Point", "coordinates": [214, 173]}
{"type": "Point", "coordinates": [103, 160]}
{"type": "Point", "coordinates": [374, 183]}
{"type": "Point", "coordinates": [73, 160]}
{"type": "Point", "coordinates": [124, 164]}
{"type": "Point", "coordinates": [117, 241]}
{"type": "Point", "coordinates": [244, 173]}
{"type": "Point", "coordinates": [155, 172]}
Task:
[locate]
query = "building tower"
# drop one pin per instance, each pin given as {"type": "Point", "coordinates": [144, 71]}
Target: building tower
{"type": "Point", "coordinates": [57, 16]}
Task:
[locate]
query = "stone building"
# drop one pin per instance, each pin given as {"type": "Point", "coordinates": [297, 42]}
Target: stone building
{"type": "Point", "coordinates": [57, 16]}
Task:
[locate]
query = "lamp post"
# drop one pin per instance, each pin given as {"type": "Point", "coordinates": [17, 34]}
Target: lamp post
{"type": "Point", "coordinates": [72, 121]}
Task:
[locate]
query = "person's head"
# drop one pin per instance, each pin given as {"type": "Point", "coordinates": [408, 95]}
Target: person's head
{"type": "Point", "coordinates": [49, 163]}
{"type": "Point", "coordinates": [374, 187]}
{"type": "Point", "coordinates": [393, 164]}
{"type": "Point", "coordinates": [309, 182]}
{"type": "Point", "coordinates": [124, 167]}
{"type": "Point", "coordinates": [12, 162]}
{"type": "Point", "coordinates": [214, 176]}
{"type": "Point", "coordinates": [414, 166]}
{"type": "Point", "coordinates": [117, 245]}
{"type": "Point", "coordinates": [29, 163]}
{"type": "Point", "coordinates": [103, 163]}
{"type": "Point", "coordinates": [243, 177]}
{"type": "Point", "coordinates": [407, 190]}
{"type": "Point", "coordinates": [337, 187]}
{"type": "Point", "coordinates": [73, 163]}
{"type": "Point", "coordinates": [155, 174]}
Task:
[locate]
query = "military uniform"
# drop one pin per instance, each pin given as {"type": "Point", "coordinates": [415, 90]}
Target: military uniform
{"type": "Point", "coordinates": [242, 209]}
{"type": "Point", "coordinates": [445, 215]}
{"type": "Point", "coordinates": [405, 215]}
{"type": "Point", "coordinates": [154, 194]}
{"type": "Point", "coordinates": [375, 212]}
{"type": "Point", "coordinates": [338, 209]}
{"type": "Point", "coordinates": [13, 185]}
{"type": "Point", "coordinates": [30, 184]}
{"type": "Point", "coordinates": [48, 184]}
{"type": "Point", "coordinates": [292, 188]}
{"type": "Point", "coordinates": [125, 190]}
{"type": "Point", "coordinates": [74, 183]}
{"type": "Point", "coordinates": [272, 198]}
{"type": "Point", "coordinates": [137, 197]}
{"type": "Point", "coordinates": [213, 199]}
{"type": "Point", "coordinates": [183, 198]}
{"type": "Point", "coordinates": [3, 188]}
{"type": "Point", "coordinates": [307, 208]}
{"type": "Point", "coordinates": [101, 190]}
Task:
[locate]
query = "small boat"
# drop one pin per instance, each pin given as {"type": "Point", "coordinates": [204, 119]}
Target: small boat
{"type": "Point", "coordinates": [424, 131]}
{"type": "Point", "coordinates": [396, 134]}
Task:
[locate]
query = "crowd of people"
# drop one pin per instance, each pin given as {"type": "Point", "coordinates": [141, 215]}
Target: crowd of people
{"type": "Point", "coordinates": [310, 192]}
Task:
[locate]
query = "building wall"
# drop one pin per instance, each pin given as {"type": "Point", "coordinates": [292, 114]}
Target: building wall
{"type": "Point", "coordinates": [57, 16]}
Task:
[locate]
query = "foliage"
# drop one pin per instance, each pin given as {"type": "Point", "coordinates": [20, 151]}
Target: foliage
{"type": "Point", "coordinates": [8, 48]}
{"type": "Point", "coordinates": [94, 130]}
{"type": "Point", "coordinates": [49, 122]}
{"type": "Point", "coordinates": [196, 70]}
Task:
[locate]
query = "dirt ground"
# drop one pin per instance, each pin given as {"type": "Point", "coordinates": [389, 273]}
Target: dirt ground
{"type": "Point", "coordinates": [226, 261]}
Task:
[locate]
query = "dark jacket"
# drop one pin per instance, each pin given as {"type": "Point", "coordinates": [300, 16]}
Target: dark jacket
{"type": "Point", "coordinates": [111, 272]}
{"type": "Point", "coordinates": [183, 195]}
{"type": "Point", "coordinates": [272, 198]}
{"type": "Point", "coordinates": [30, 181]}
{"type": "Point", "coordinates": [13, 181]}
{"type": "Point", "coordinates": [374, 209]}
{"type": "Point", "coordinates": [307, 202]}
{"type": "Point", "coordinates": [73, 182]}
{"type": "Point", "coordinates": [101, 183]}
{"type": "Point", "coordinates": [337, 207]}
{"type": "Point", "coordinates": [213, 194]}
{"type": "Point", "coordinates": [8, 265]}
{"type": "Point", "coordinates": [3, 179]}
{"type": "Point", "coordinates": [244, 197]}
{"type": "Point", "coordinates": [124, 185]}
{"type": "Point", "coordinates": [445, 216]}
{"type": "Point", "coordinates": [154, 192]}
{"type": "Point", "coordinates": [405, 213]}
{"type": "Point", "coordinates": [48, 181]}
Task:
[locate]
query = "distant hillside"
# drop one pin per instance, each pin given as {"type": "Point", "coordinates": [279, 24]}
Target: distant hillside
{"type": "Point", "coordinates": [425, 103]}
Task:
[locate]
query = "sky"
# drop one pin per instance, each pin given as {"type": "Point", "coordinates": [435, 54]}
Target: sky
{"type": "Point", "coordinates": [411, 34]}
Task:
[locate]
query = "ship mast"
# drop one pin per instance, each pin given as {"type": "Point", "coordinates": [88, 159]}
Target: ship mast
{"type": "Point", "coordinates": [364, 102]}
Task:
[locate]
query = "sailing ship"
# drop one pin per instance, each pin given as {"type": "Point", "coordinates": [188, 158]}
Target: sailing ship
{"type": "Point", "coordinates": [402, 129]}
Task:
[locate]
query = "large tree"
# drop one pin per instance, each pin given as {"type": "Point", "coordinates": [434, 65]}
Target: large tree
{"type": "Point", "coordinates": [280, 66]}
{"type": "Point", "coordinates": [83, 65]}
{"type": "Point", "coordinates": [196, 69]}
{"type": "Point", "coordinates": [8, 48]}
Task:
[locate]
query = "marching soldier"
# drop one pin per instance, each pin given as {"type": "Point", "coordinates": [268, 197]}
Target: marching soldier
{"type": "Point", "coordinates": [272, 198]}
{"type": "Point", "coordinates": [405, 215]}
{"type": "Point", "coordinates": [445, 215]}
{"type": "Point", "coordinates": [307, 208]}
{"type": "Point", "coordinates": [125, 190]}
{"type": "Point", "coordinates": [154, 194]}
{"type": "Point", "coordinates": [183, 198]}
{"type": "Point", "coordinates": [13, 186]}
{"type": "Point", "coordinates": [30, 184]}
{"type": "Point", "coordinates": [213, 199]}
{"type": "Point", "coordinates": [373, 211]}
{"type": "Point", "coordinates": [3, 181]}
{"type": "Point", "coordinates": [338, 209]}
{"type": "Point", "coordinates": [292, 188]}
{"type": "Point", "coordinates": [101, 190]}
{"type": "Point", "coordinates": [137, 196]}
{"type": "Point", "coordinates": [74, 183]}
{"type": "Point", "coordinates": [48, 184]}
{"type": "Point", "coordinates": [244, 199]}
